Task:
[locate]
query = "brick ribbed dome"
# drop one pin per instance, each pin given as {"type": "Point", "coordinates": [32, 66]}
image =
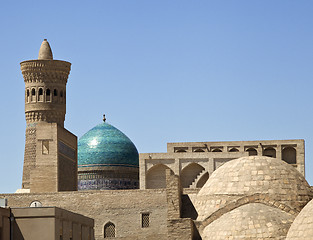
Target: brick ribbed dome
{"type": "Point", "coordinates": [246, 176]}
{"type": "Point", "coordinates": [251, 221]}
{"type": "Point", "coordinates": [302, 227]}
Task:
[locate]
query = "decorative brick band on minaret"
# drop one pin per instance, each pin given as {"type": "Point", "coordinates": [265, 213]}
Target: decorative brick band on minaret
{"type": "Point", "coordinates": [45, 99]}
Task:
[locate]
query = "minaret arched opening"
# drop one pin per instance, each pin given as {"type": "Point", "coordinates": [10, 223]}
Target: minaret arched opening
{"type": "Point", "coordinates": [40, 95]}
{"type": "Point", "coordinates": [48, 95]}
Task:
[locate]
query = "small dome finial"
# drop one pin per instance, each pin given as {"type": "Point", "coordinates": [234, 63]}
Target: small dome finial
{"type": "Point", "coordinates": [104, 118]}
{"type": "Point", "coordinates": [45, 51]}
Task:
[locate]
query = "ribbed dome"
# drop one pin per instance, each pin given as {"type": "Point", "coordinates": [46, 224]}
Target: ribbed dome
{"type": "Point", "coordinates": [252, 175]}
{"type": "Point", "coordinates": [302, 227]}
{"type": "Point", "coordinates": [105, 145]}
{"type": "Point", "coordinates": [250, 221]}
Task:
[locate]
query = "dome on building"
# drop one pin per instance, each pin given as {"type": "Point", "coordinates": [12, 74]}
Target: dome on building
{"type": "Point", "coordinates": [302, 227]}
{"type": "Point", "coordinates": [253, 175]}
{"type": "Point", "coordinates": [107, 159]}
{"type": "Point", "coordinates": [250, 221]}
{"type": "Point", "coordinates": [105, 145]}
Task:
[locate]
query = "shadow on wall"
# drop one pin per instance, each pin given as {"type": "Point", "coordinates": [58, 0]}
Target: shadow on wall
{"type": "Point", "coordinates": [188, 210]}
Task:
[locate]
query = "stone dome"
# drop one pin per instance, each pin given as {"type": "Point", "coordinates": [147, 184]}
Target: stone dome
{"type": "Point", "coordinates": [105, 145]}
{"type": "Point", "coordinates": [246, 176]}
{"type": "Point", "coordinates": [107, 159]}
{"type": "Point", "coordinates": [250, 221]}
{"type": "Point", "coordinates": [302, 227]}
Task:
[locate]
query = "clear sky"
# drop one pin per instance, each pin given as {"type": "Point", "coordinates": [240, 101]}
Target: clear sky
{"type": "Point", "coordinates": [165, 70]}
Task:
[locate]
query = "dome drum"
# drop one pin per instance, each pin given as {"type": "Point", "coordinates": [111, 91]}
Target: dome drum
{"type": "Point", "coordinates": [103, 178]}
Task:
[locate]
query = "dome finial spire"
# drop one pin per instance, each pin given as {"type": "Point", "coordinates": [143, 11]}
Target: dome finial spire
{"type": "Point", "coordinates": [45, 52]}
{"type": "Point", "coordinates": [104, 118]}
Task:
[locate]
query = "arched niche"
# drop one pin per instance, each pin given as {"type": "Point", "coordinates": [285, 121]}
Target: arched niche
{"type": "Point", "coordinates": [216, 150]}
{"type": "Point", "coordinates": [234, 149]}
{"type": "Point", "coordinates": [189, 174]}
{"type": "Point", "coordinates": [156, 177]}
{"type": "Point", "coordinates": [289, 155]}
{"type": "Point", "coordinates": [199, 150]}
{"type": "Point", "coordinates": [269, 152]}
{"type": "Point", "coordinates": [252, 151]}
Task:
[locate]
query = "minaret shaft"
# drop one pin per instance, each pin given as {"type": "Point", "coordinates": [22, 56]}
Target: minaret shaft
{"type": "Point", "coordinates": [45, 100]}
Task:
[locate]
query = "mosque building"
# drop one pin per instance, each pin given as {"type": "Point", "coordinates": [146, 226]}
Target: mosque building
{"type": "Point", "coordinates": [99, 187]}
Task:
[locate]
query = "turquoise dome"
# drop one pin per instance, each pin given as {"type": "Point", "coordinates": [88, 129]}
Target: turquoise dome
{"type": "Point", "coordinates": [105, 145]}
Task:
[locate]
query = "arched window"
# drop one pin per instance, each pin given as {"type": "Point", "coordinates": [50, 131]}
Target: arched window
{"type": "Point", "coordinates": [289, 155]}
{"type": "Point", "coordinates": [40, 95]}
{"type": "Point", "coordinates": [27, 95]}
{"type": "Point", "coordinates": [181, 150]}
{"type": "Point", "coordinates": [109, 230]}
{"type": "Point", "coordinates": [234, 150]}
{"type": "Point", "coordinates": [199, 150]}
{"type": "Point", "coordinates": [48, 95]}
{"type": "Point", "coordinates": [269, 152]}
{"type": "Point", "coordinates": [216, 150]}
{"type": "Point", "coordinates": [252, 151]}
{"type": "Point", "coordinates": [55, 95]}
{"type": "Point", "coordinates": [61, 96]}
{"type": "Point", "coordinates": [33, 98]}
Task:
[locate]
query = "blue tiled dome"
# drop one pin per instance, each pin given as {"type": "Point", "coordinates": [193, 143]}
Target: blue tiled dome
{"type": "Point", "coordinates": [105, 145]}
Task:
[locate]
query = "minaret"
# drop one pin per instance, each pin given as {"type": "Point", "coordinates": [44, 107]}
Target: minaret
{"type": "Point", "coordinates": [45, 101]}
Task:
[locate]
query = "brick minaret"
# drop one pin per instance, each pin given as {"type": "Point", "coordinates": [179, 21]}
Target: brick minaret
{"type": "Point", "coordinates": [45, 100]}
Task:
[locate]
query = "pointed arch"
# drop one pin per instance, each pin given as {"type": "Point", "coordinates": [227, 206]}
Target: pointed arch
{"type": "Point", "coordinates": [234, 150]}
{"type": "Point", "coordinates": [33, 96]}
{"type": "Point", "coordinates": [289, 155]}
{"type": "Point", "coordinates": [189, 174]}
{"type": "Point", "coordinates": [269, 152]}
{"type": "Point", "coordinates": [48, 95]}
{"type": "Point", "coordinates": [109, 230]}
{"type": "Point", "coordinates": [216, 150]}
{"type": "Point", "coordinates": [202, 180]}
{"type": "Point", "coordinates": [155, 177]}
{"type": "Point", "coordinates": [40, 95]}
{"type": "Point", "coordinates": [252, 151]}
{"type": "Point", "coordinates": [199, 150]}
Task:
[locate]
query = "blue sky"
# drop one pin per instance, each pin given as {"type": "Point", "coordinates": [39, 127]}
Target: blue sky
{"type": "Point", "coordinates": [165, 71]}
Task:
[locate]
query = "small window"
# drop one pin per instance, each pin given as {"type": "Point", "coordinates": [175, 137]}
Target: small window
{"type": "Point", "coordinates": [33, 97]}
{"type": "Point", "coordinates": [40, 95]}
{"type": "Point", "coordinates": [145, 220]}
{"type": "Point", "coordinates": [61, 93]}
{"type": "Point", "coordinates": [48, 97]}
{"type": "Point", "coordinates": [35, 204]}
{"type": "Point", "coordinates": [61, 237]}
{"type": "Point", "coordinates": [109, 230]}
{"type": "Point", "coordinates": [55, 92]}
{"type": "Point", "coordinates": [27, 95]}
{"type": "Point", "coordinates": [45, 147]}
